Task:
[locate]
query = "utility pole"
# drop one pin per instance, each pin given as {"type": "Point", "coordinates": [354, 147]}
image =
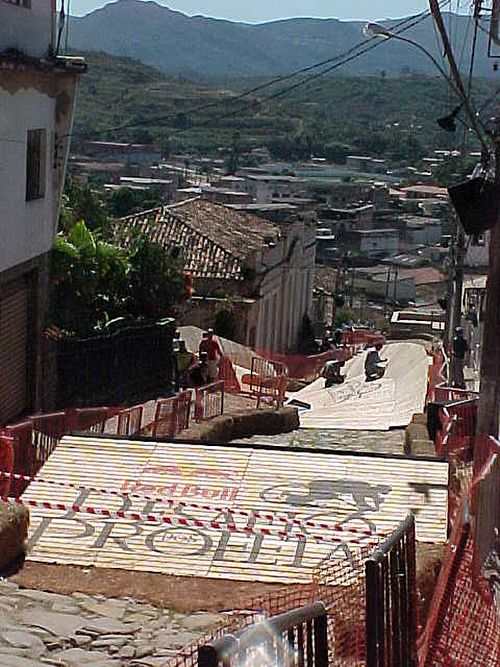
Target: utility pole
{"type": "Point", "coordinates": [455, 74]}
{"type": "Point", "coordinates": [489, 403]}
{"type": "Point", "coordinates": [455, 311]}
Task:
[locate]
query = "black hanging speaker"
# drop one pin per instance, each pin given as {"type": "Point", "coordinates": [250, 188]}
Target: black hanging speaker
{"type": "Point", "coordinates": [477, 203]}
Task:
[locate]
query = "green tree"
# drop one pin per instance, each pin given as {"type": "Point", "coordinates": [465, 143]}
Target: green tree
{"type": "Point", "coordinates": [89, 279]}
{"type": "Point", "coordinates": [157, 282]}
{"type": "Point", "coordinates": [81, 203]}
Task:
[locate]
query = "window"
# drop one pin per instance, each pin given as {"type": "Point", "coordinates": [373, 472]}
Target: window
{"type": "Point", "coordinates": [35, 164]}
{"type": "Point", "coordinates": [20, 3]}
{"type": "Point", "coordinates": [478, 240]}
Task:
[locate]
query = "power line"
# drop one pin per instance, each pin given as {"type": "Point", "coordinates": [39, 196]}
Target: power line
{"type": "Point", "coordinates": [350, 54]}
{"type": "Point", "coordinates": [316, 76]}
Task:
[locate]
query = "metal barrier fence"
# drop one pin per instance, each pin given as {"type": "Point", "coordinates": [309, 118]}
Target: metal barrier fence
{"type": "Point", "coordinates": [391, 600]}
{"type": "Point", "coordinates": [6, 463]}
{"type": "Point", "coordinates": [171, 415]}
{"type": "Point", "coordinates": [209, 401]}
{"type": "Point", "coordinates": [36, 437]}
{"type": "Point", "coordinates": [268, 381]}
{"type": "Point", "coordinates": [445, 393]}
{"type": "Point", "coordinates": [339, 582]}
{"type": "Point", "coordinates": [458, 429]}
{"type": "Point", "coordinates": [130, 420]}
{"type": "Point", "coordinates": [297, 637]}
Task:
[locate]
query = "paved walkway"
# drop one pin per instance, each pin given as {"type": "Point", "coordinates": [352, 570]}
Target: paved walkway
{"type": "Point", "coordinates": [39, 628]}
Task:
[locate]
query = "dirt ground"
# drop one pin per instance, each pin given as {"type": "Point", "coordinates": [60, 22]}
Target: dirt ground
{"type": "Point", "coordinates": [182, 594]}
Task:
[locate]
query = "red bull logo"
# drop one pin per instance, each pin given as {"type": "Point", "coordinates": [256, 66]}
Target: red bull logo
{"type": "Point", "coordinates": [188, 481]}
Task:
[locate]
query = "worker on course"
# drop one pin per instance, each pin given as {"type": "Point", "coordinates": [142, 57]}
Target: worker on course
{"type": "Point", "coordinates": [212, 349]}
{"type": "Point", "coordinates": [183, 360]}
{"type": "Point", "coordinates": [374, 365]}
{"type": "Point", "coordinates": [459, 348]}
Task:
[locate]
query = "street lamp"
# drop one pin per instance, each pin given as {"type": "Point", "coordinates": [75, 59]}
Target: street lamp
{"type": "Point", "coordinates": [378, 30]}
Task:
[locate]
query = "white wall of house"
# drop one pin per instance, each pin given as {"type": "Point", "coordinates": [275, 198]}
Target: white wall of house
{"type": "Point", "coordinates": [398, 289]}
{"type": "Point", "coordinates": [478, 251]}
{"type": "Point", "coordinates": [286, 288]}
{"type": "Point", "coordinates": [36, 114]}
{"type": "Point", "coordinates": [26, 227]}
{"type": "Point", "coordinates": [376, 243]}
{"type": "Point", "coordinates": [29, 29]}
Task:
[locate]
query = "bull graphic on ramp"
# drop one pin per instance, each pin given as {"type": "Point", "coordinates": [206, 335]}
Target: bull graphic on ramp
{"type": "Point", "coordinates": [354, 496]}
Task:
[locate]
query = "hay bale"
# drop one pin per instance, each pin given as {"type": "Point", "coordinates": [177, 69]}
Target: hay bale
{"type": "Point", "coordinates": [14, 522]}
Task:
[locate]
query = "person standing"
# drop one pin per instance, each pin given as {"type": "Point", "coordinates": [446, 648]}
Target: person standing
{"type": "Point", "coordinates": [184, 359]}
{"type": "Point", "coordinates": [199, 372]}
{"type": "Point", "coordinates": [212, 349]}
{"type": "Point", "coordinates": [459, 348]}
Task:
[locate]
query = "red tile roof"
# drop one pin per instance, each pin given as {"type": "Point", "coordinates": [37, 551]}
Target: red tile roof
{"type": "Point", "coordinates": [216, 242]}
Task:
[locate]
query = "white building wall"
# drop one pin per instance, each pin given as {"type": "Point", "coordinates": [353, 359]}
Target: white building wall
{"type": "Point", "coordinates": [372, 243]}
{"type": "Point", "coordinates": [286, 288]}
{"type": "Point", "coordinates": [28, 29]}
{"type": "Point", "coordinates": [26, 227]}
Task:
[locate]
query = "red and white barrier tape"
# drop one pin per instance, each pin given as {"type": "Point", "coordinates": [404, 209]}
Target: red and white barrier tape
{"type": "Point", "coordinates": [184, 522]}
{"type": "Point", "coordinates": [257, 514]}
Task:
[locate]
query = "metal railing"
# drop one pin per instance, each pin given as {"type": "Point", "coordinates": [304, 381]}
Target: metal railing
{"type": "Point", "coordinates": [130, 420]}
{"type": "Point", "coordinates": [391, 600]}
{"type": "Point", "coordinates": [209, 401]}
{"type": "Point", "coordinates": [171, 415]}
{"type": "Point", "coordinates": [296, 638]}
{"type": "Point", "coordinates": [445, 393]}
{"type": "Point", "coordinates": [268, 381]}
{"type": "Point", "coordinates": [457, 431]}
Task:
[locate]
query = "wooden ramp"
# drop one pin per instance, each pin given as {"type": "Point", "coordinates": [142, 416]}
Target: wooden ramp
{"type": "Point", "coordinates": [379, 405]}
{"type": "Point", "coordinates": [271, 492]}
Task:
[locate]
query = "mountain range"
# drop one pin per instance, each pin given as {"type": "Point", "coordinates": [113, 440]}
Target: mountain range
{"type": "Point", "coordinates": [201, 47]}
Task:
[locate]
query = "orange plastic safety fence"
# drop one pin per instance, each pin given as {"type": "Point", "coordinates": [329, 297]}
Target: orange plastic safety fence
{"type": "Point", "coordinates": [467, 630]}
{"type": "Point", "coordinates": [338, 582]}
{"type": "Point", "coordinates": [463, 628]}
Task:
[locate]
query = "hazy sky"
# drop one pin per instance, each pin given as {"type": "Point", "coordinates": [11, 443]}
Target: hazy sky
{"type": "Point", "coordinates": [266, 10]}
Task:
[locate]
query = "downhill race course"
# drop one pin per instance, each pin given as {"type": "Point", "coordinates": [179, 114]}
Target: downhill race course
{"type": "Point", "coordinates": [378, 405]}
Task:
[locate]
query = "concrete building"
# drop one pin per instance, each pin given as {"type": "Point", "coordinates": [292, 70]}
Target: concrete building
{"type": "Point", "coordinates": [373, 242]}
{"type": "Point", "coordinates": [266, 188]}
{"type": "Point", "coordinates": [115, 151]}
{"type": "Point", "coordinates": [383, 283]}
{"type": "Point", "coordinates": [351, 218]}
{"type": "Point", "coordinates": [422, 231]}
{"type": "Point", "coordinates": [37, 97]}
{"type": "Point", "coordinates": [164, 187]}
{"type": "Point", "coordinates": [264, 270]}
{"type": "Point", "coordinates": [425, 192]}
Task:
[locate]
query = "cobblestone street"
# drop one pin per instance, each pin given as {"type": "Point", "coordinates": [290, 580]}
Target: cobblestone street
{"type": "Point", "coordinates": [375, 442]}
{"type": "Point", "coordinates": [40, 628]}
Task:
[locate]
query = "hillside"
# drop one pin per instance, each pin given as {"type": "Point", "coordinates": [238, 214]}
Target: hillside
{"type": "Point", "coordinates": [205, 47]}
{"type": "Point", "coordinates": [394, 118]}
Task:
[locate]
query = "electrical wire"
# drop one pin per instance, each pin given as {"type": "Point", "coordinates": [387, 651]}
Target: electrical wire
{"type": "Point", "coordinates": [314, 77]}
{"type": "Point", "coordinates": [350, 54]}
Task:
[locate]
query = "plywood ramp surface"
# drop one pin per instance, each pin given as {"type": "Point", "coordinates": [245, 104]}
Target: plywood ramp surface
{"type": "Point", "coordinates": [365, 493]}
{"type": "Point", "coordinates": [378, 405]}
